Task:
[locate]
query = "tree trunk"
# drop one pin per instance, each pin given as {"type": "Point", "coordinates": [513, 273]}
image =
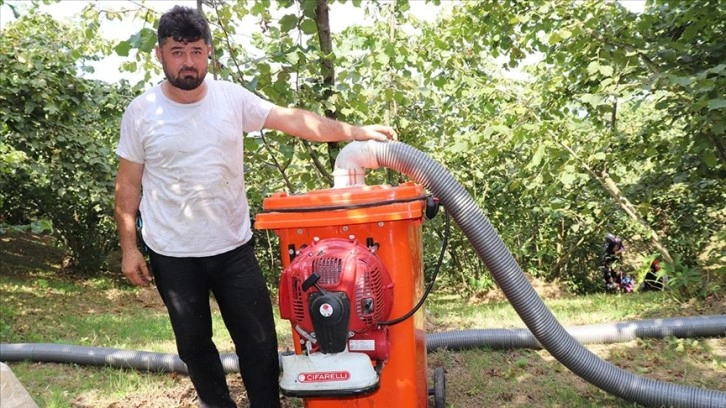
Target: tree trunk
{"type": "Point", "coordinates": [629, 209]}
{"type": "Point", "coordinates": [612, 189]}
{"type": "Point", "coordinates": [719, 147]}
{"type": "Point", "coordinates": [327, 68]}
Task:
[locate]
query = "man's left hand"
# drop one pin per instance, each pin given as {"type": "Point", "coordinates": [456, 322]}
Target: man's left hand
{"type": "Point", "coordinates": [375, 132]}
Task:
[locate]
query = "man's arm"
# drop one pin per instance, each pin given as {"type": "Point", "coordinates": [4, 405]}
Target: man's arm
{"type": "Point", "coordinates": [311, 126]}
{"type": "Point", "coordinates": [128, 197]}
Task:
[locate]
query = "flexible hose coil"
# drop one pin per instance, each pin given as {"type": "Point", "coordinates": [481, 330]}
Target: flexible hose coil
{"type": "Point", "coordinates": [510, 278]}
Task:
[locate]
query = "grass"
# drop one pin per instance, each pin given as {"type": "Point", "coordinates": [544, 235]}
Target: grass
{"type": "Point", "coordinates": [520, 378]}
{"type": "Point", "coordinates": [570, 311]}
{"type": "Point", "coordinates": [39, 303]}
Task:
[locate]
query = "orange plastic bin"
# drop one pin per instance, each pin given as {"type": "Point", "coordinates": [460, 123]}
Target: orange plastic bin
{"type": "Point", "coordinates": [391, 217]}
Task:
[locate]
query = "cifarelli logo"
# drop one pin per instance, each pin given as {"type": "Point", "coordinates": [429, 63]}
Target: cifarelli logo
{"type": "Point", "coordinates": [323, 376]}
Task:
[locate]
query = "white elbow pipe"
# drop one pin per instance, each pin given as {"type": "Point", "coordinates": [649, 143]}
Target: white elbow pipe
{"type": "Point", "coordinates": [351, 163]}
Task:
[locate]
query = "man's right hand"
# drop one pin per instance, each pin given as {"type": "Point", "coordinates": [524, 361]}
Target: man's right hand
{"type": "Point", "coordinates": [134, 267]}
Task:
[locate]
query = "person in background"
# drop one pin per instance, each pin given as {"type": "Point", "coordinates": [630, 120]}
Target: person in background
{"type": "Point", "coordinates": [613, 249]}
{"type": "Point", "coordinates": [652, 280]}
{"type": "Point", "coordinates": [181, 143]}
{"type": "Point", "coordinates": [627, 284]}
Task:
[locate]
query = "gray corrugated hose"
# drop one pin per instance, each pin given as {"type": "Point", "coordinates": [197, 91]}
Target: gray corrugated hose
{"type": "Point", "coordinates": [103, 356]}
{"type": "Point", "coordinates": [683, 327]}
{"type": "Point", "coordinates": [604, 333]}
{"type": "Point", "coordinates": [510, 278]}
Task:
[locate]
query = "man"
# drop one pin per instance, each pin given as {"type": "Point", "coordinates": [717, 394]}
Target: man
{"type": "Point", "coordinates": [182, 142]}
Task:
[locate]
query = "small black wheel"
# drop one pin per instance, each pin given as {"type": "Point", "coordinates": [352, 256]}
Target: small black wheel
{"type": "Point", "coordinates": [439, 388]}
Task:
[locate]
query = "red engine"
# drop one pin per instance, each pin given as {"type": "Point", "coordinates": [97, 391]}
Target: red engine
{"type": "Point", "coordinates": [335, 292]}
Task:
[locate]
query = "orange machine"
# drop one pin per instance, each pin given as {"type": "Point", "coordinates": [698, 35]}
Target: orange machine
{"type": "Point", "coordinates": [352, 260]}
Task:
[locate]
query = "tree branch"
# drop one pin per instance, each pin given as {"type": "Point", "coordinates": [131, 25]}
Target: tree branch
{"type": "Point", "coordinates": [612, 188]}
{"type": "Point", "coordinates": [652, 66]}
{"type": "Point", "coordinates": [316, 162]}
{"type": "Point", "coordinates": [280, 167]}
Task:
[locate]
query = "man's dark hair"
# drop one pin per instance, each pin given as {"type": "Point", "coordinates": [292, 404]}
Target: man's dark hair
{"type": "Point", "coordinates": [183, 24]}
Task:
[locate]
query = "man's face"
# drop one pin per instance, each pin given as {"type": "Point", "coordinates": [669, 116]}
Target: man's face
{"type": "Point", "coordinates": [184, 63]}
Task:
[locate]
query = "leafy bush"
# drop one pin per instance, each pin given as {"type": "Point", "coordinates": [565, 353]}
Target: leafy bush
{"type": "Point", "coordinates": [56, 141]}
{"type": "Point", "coordinates": [684, 282]}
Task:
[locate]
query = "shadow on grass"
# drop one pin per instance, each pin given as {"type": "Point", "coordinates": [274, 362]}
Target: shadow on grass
{"type": "Point", "coordinates": [525, 378]}
{"type": "Point", "coordinates": [22, 253]}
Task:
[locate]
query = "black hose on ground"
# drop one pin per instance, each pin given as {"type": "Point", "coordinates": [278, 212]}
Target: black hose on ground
{"type": "Point", "coordinates": [103, 356]}
{"type": "Point", "coordinates": [605, 333]}
{"type": "Point", "coordinates": [682, 327]}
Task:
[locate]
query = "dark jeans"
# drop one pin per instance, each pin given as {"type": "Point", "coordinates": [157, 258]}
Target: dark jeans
{"type": "Point", "coordinates": [237, 283]}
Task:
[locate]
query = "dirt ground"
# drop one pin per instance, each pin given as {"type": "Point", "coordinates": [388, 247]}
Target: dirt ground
{"type": "Point", "coordinates": [181, 395]}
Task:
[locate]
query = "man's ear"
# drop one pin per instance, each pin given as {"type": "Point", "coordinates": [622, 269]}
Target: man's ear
{"type": "Point", "coordinates": [157, 51]}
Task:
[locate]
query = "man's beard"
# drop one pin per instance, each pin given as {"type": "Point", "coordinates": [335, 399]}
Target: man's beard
{"type": "Point", "coordinates": [188, 79]}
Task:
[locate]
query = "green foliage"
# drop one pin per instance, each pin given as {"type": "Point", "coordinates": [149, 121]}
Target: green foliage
{"type": "Point", "coordinates": [36, 227]}
{"type": "Point", "coordinates": [536, 154]}
{"type": "Point", "coordinates": [587, 129]}
{"type": "Point", "coordinates": [617, 125]}
{"type": "Point", "coordinates": [684, 282]}
{"type": "Point", "coordinates": [56, 138]}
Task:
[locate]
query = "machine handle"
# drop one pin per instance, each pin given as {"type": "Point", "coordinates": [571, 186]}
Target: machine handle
{"type": "Point", "coordinates": [312, 281]}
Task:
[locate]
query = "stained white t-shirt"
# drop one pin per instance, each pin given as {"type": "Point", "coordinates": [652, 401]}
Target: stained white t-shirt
{"type": "Point", "coordinates": [193, 202]}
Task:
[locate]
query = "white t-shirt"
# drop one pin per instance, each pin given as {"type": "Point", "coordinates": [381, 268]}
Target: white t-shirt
{"type": "Point", "coordinates": [193, 202]}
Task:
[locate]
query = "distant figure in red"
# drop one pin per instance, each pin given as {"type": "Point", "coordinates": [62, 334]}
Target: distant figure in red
{"type": "Point", "coordinates": [652, 281]}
